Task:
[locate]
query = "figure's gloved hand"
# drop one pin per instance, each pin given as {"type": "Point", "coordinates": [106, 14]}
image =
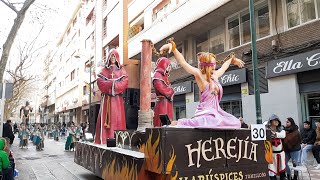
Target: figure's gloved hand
{"type": "Point", "coordinates": [166, 48]}
{"type": "Point", "coordinates": [238, 62]}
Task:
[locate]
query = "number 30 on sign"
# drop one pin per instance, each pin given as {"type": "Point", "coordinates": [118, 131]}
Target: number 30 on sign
{"type": "Point", "coordinates": [258, 132]}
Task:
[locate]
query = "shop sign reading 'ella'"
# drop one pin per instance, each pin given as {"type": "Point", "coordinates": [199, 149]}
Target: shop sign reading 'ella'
{"type": "Point", "coordinates": [294, 64]}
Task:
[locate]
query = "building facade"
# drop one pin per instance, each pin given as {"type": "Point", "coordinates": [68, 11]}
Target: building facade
{"type": "Point", "coordinates": [285, 30]}
{"type": "Point", "coordinates": [287, 39]}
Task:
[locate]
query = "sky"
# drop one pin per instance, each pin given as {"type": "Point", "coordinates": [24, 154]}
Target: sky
{"type": "Point", "coordinates": [52, 15]}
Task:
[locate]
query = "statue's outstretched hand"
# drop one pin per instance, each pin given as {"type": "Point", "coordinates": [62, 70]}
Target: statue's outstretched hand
{"type": "Point", "coordinates": [166, 48]}
{"type": "Point", "coordinates": [238, 62]}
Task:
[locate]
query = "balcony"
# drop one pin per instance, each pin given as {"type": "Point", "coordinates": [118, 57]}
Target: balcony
{"type": "Point", "coordinates": [88, 8]}
{"type": "Point", "coordinates": [134, 30]}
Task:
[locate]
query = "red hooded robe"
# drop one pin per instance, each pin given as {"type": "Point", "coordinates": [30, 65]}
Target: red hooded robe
{"type": "Point", "coordinates": [164, 91]}
{"type": "Point", "coordinates": [112, 81]}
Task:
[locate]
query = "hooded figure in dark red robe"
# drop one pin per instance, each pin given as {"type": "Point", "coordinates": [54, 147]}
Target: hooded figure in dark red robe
{"type": "Point", "coordinates": [163, 89]}
{"type": "Point", "coordinates": [112, 81]}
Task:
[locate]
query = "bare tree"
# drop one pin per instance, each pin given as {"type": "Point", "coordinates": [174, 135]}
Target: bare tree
{"type": "Point", "coordinates": [13, 32]}
{"type": "Point", "coordinates": [23, 81]}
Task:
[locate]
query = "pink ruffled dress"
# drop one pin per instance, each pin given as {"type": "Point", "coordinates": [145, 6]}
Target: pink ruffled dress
{"type": "Point", "coordinates": [209, 113]}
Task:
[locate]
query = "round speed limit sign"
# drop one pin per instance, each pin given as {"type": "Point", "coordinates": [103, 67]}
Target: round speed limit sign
{"type": "Point", "coordinates": [258, 132]}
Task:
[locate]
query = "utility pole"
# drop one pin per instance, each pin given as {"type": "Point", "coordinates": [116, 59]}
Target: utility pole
{"type": "Point", "coordinates": [255, 63]}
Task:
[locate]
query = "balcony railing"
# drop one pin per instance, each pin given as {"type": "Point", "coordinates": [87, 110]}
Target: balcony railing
{"type": "Point", "coordinates": [104, 6]}
{"type": "Point", "coordinates": [134, 30]}
{"type": "Point", "coordinates": [104, 32]}
{"type": "Point", "coordinates": [93, 20]}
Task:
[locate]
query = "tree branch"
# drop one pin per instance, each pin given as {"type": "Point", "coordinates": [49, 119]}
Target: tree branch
{"type": "Point", "coordinates": [12, 35]}
{"type": "Point", "coordinates": [10, 6]}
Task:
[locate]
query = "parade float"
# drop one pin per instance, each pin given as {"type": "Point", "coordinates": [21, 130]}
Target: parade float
{"type": "Point", "coordinates": [170, 153]}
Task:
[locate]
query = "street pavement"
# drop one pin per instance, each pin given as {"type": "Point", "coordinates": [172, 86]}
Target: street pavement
{"type": "Point", "coordinates": [309, 172]}
{"type": "Point", "coordinates": [53, 163]}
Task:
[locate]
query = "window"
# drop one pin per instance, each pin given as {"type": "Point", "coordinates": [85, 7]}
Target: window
{"type": "Point", "coordinates": [72, 75]}
{"type": "Point", "coordinates": [301, 11]}
{"type": "Point", "coordinates": [232, 107]}
{"type": "Point", "coordinates": [217, 40]}
{"type": "Point", "coordinates": [74, 21]}
{"type": "Point", "coordinates": [92, 41]}
{"type": "Point", "coordinates": [318, 8]}
{"type": "Point", "coordinates": [136, 27]}
{"type": "Point", "coordinates": [87, 43]}
{"type": "Point", "coordinates": [104, 25]}
{"type": "Point", "coordinates": [196, 93]}
{"type": "Point", "coordinates": [161, 9]}
{"type": "Point", "coordinates": [104, 5]}
{"type": "Point", "coordinates": [180, 112]}
{"type": "Point", "coordinates": [90, 17]}
{"type": "Point", "coordinates": [85, 90]}
{"type": "Point", "coordinates": [238, 26]}
{"type": "Point", "coordinates": [245, 28]}
{"type": "Point", "coordinates": [202, 43]}
{"type": "Point", "coordinates": [67, 62]}
{"type": "Point", "coordinates": [73, 37]}
{"type": "Point", "coordinates": [262, 20]}
{"type": "Point", "coordinates": [66, 80]}
{"type": "Point", "coordinates": [233, 31]}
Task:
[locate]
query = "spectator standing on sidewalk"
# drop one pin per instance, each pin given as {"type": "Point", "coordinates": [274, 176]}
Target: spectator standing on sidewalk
{"type": "Point", "coordinates": [308, 136]}
{"type": "Point", "coordinates": [316, 147]}
{"type": "Point", "coordinates": [291, 145]}
{"type": "Point", "coordinates": [7, 131]}
{"type": "Point", "coordinates": [278, 167]}
{"type": "Point", "coordinates": [7, 171]}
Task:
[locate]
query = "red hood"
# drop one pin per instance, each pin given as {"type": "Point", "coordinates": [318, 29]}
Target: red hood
{"type": "Point", "coordinates": [162, 65]}
{"type": "Point", "coordinates": [116, 54]}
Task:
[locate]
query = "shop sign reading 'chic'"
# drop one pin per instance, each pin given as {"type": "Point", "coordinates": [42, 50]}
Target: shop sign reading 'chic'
{"type": "Point", "coordinates": [182, 88]}
{"type": "Point", "coordinates": [233, 77]}
{"type": "Point", "coordinates": [294, 64]}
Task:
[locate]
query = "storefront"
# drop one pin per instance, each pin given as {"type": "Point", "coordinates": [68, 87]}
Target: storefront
{"type": "Point", "coordinates": [179, 100]}
{"type": "Point", "coordinates": [305, 67]}
{"type": "Point", "coordinates": [231, 99]}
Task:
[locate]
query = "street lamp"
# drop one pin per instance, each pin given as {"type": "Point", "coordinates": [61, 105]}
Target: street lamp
{"type": "Point", "coordinates": [88, 66]}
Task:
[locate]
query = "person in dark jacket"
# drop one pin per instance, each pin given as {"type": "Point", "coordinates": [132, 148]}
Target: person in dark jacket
{"type": "Point", "coordinates": [291, 145]}
{"type": "Point", "coordinates": [316, 147]}
{"type": "Point", "coordinates": [308, 136]}
{"type": "Point", "coordinates": [7, 131]}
